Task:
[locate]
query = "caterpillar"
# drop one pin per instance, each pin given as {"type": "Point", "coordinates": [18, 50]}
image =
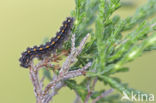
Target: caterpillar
{"type": "Point", "coordinates": [46, 49]}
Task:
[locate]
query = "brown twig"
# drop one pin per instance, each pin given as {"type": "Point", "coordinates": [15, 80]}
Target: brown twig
{"type": "Point", "coordinates": [90, 89]}
{"type": "Point", "coordinates": [57, 83]}
{"type": "Point", "coordinates": [66, 76]}
{"type": "Point", "coordinates": [36, 83]}
{"type": "Point", "coordinates": [89, 92]}
{"type": "Point", "coordinates": [106, 93]}
{"type": "Point", "coordinates": [77, 99]}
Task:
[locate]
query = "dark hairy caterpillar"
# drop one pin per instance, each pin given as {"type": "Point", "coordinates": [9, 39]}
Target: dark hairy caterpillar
{"type": "Point", "coordinates": [48, 47]}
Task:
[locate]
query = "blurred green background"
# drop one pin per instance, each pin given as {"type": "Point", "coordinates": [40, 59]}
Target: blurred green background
{"type": "Point", "coordinates": [26, 23]}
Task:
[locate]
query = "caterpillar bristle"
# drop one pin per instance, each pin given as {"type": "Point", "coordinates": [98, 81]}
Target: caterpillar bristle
{"type": "Point", "coordinates": [49, 47]}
